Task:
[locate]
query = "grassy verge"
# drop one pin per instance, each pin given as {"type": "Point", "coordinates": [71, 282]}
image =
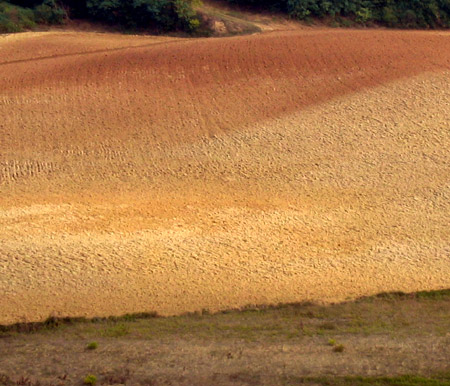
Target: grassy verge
{"type": "Point", "coordinates": [370, 341]}
{"type": "Point", "coordinates": [404, 380]}
{"type": "Point", "coordinates": [398, 313]}
{"type": "Point", "coordinates": [223, 22]}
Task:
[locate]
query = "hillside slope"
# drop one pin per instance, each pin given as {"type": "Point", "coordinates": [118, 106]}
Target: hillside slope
{"type": "Point", "coordinates": [141, 173]}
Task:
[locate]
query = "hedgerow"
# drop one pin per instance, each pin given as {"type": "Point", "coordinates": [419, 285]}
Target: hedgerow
{"type": "Point", "coordinates": [392, 13]}
{"type": "Point", "coordinates": [15, 19]}
{"type": "Point", "coordinates": [167, 15]}
{"type": "Point", "coordinates": [162, 15]}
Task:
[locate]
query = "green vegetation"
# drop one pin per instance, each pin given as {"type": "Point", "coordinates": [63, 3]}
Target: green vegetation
{"type": "Point", "coordinates": [181, 15]}
{"type": "Point", "coordinates": [404, 380]}
{"type": "Point", "coordinates": [393, 313]}
{"type": "Point", "coordinates": [162, 14]}
{"type": "Point", "coordinates": [398, 13]}
{"type": "Point", "coordinates": [90, 380]}
{"type": "Point", "coordinates": [92, 346]}
{"type": "Point", "coordinates": [331, 342]}
{"type": "Point", "coordinates": [345, 335]}
{"type": "Point", "coordinates": [116, 331]}
{"type": "Point", "coordinates": [16, 18]}
{"type": "Point", "coordinates": [158, 15]}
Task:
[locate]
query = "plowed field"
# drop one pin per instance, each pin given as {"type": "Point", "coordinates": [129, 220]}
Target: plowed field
{"type": "Point", "coordinates": [171, 175]}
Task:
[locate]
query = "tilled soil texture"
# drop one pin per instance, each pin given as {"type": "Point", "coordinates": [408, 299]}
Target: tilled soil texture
{"type": "Point", "coordinates": [172, 175]}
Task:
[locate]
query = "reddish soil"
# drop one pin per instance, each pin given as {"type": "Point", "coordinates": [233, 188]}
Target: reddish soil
{"type": "Point", "coordinates": [180, 91]}
{"type": "Point", "coordinates": [143, 173]}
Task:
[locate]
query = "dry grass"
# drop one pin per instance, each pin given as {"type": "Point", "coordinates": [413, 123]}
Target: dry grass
{"type": "Point", "coordinates": [382, 336]}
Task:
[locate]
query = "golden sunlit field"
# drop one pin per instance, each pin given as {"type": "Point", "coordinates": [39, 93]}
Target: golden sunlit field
{"type": "Point", "coordinates": [166, 174]}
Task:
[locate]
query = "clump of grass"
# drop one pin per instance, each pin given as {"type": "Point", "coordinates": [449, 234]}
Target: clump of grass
{"type": "Point", "coordinates": [90, 380]}
{"type": "Point", "coordinates": [339, 348]}
{"type": "Point", "coordinates": [116, 331]}
{"type": "Point", "coordinates": [92, 346]}
{"type": "Point", "coordinates": [118, 378]}
{"type": "Point", "coordinates": [137, 316]}
{"type": "Point", "coordinates": [328, 326]}
{"type": "Point", "coordinates": [331, 342]}
{"type": "Point", "coordinates": [435, 295]}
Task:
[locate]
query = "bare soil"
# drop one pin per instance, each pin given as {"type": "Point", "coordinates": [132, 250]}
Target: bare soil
{"type": "Point", "coordinates": [172, 175]}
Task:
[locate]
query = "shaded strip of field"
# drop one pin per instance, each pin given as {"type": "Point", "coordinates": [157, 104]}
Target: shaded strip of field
{"type": "Point", "coordinates": [180, 91]}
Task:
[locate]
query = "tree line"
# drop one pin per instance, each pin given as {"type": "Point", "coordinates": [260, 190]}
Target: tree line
{"type": "Point", "coordinates": [169, 15]}
{"type": "Point", "coordinates": [161, 15]}
{"type": "Point", "coordinates": [392, 13]}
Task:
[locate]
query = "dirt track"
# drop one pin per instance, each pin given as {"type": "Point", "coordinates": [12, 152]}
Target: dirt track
{"type": "Point", "coordinates": [141, 173]}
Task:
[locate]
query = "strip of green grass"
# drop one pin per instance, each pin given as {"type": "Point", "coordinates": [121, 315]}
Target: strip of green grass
{"type": "Point", "coordinates": [404, 380]}
{"type": "Point", "coordinates": [396, 314]}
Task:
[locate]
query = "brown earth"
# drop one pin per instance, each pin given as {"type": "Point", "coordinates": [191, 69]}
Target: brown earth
{"type": "Point", "coordinates": [143, 173]}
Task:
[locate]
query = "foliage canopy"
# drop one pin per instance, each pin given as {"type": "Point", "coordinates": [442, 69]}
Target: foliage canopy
{"type": "Point", "coordinates": [392, 13]}
{"type": "Point", "coordinates": [167, 15]}
{"type": "Point", "coordinates": [159, 14]}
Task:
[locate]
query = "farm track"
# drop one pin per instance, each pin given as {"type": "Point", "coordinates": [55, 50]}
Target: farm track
{"type": "Point", "coordinates": [84, 53]}
{"type": "Point", "coordinates": [175, 175]}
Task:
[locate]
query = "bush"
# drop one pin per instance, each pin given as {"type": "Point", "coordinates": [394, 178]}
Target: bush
{"type": "Point", "coordinates": [409, 18]}
{"type": "Point", "coordinates": [331, 342]}
{"type": "Point", "coordinates": [162, 14]}
{"type": "Point", "coordinates": [406, 13]}
{"type": "Point", "coordinates": [15, 19]}
{"type": "Point", "coordinates": [26, 3]}
{"type": "Point", "coordinates": [389, 17]}
{"type": "Point", "coordinates": [90, 380]}
{"type": "Point", "coordinates": [363, 15]}
{"type": "Point", "coordinates": [49, 13]}
{"type": "Point", "coordinates": [92, 346]}
{"type": "Point", "coordinates": [300, 9]}
{"type": "Point", "coordinates": [7, 26]}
